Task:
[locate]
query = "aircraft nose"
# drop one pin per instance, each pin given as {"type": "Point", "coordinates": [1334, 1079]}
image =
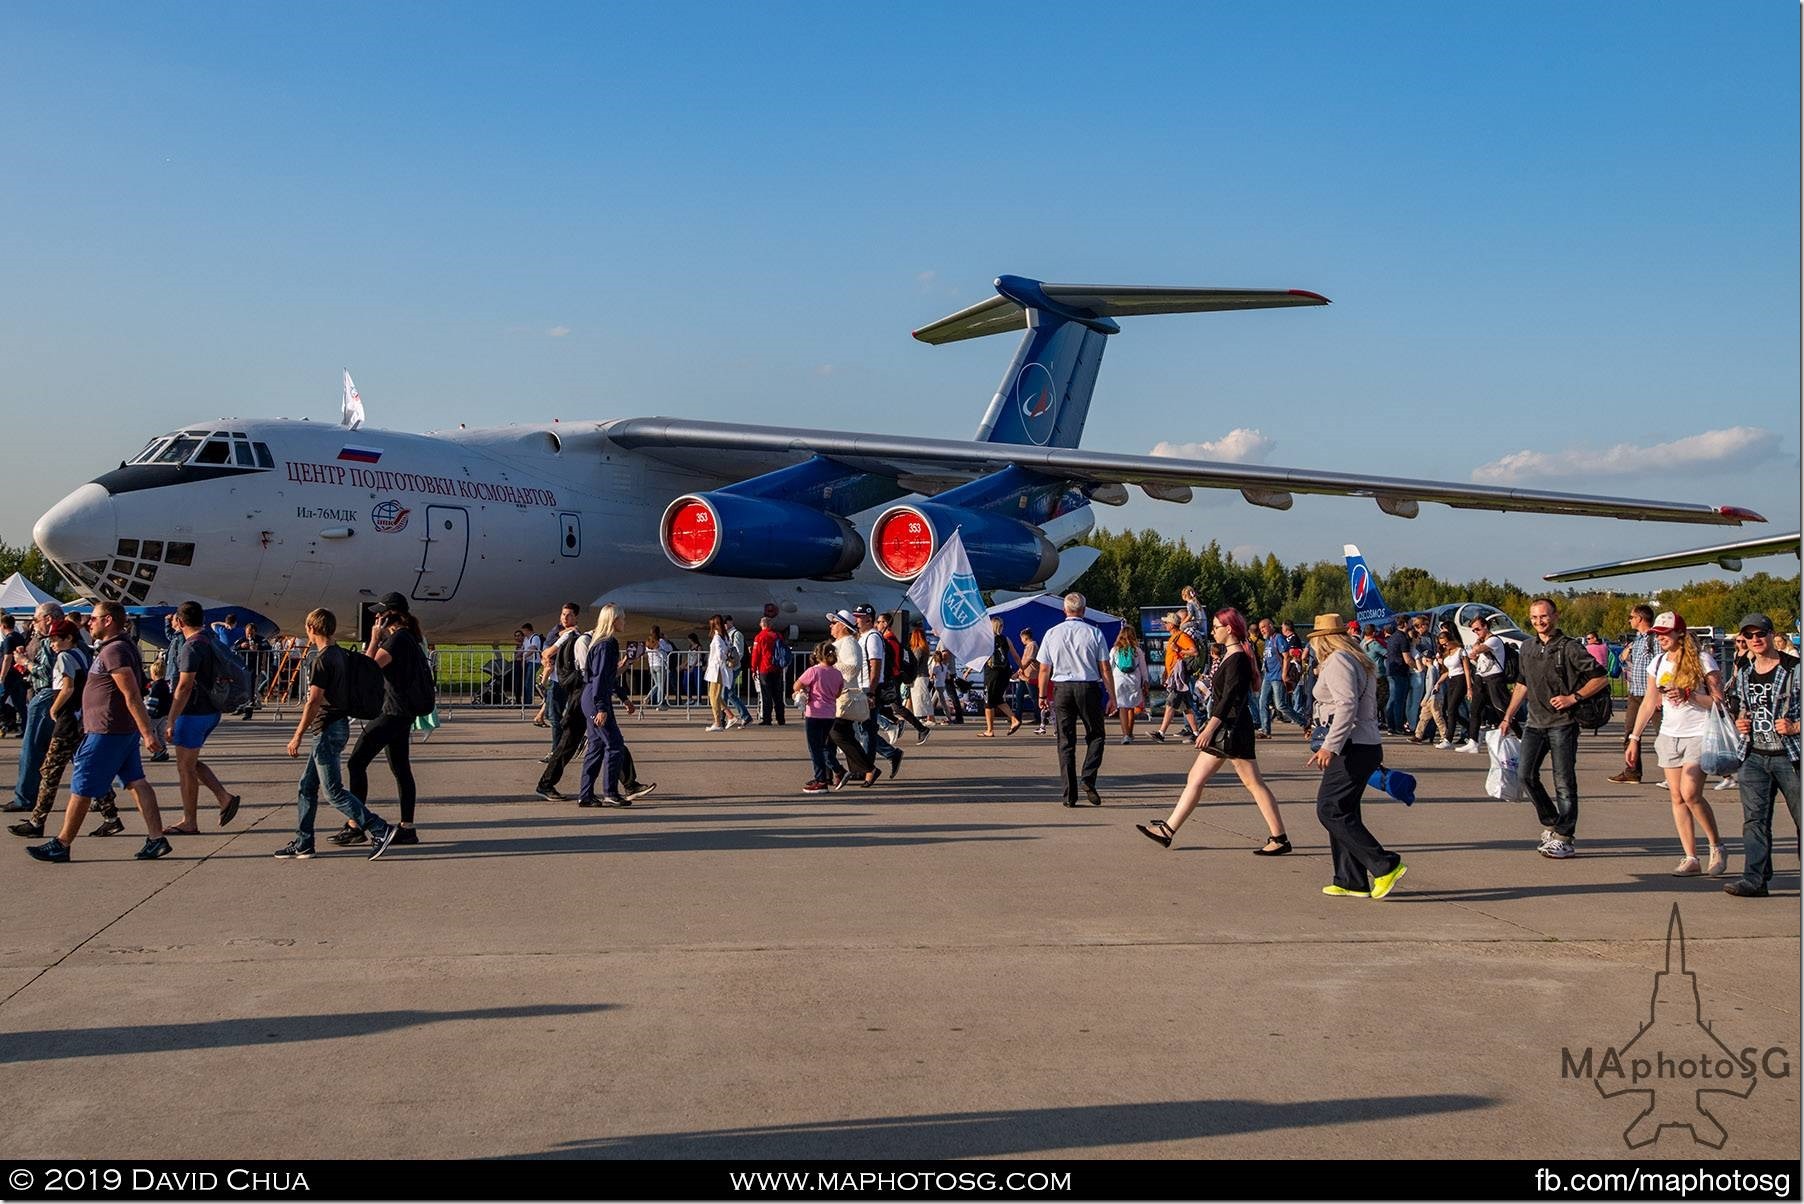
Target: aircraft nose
{"type": "Point", "coordinates": [81, 527]}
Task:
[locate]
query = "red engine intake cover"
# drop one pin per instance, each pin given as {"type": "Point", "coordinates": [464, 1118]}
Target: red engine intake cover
{"type": "Point", "coordinates": [904, 543]}
{"type": "Point", "coordinates": [691, 535]}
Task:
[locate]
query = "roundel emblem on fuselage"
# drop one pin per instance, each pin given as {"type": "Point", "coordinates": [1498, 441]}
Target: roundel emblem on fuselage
{"type": "Point", "coordinates": [389, 516]}
{"type": "Point", "coordinates": [1362, 584]}
{"type": "Point", "coordinates": [1036, 401]}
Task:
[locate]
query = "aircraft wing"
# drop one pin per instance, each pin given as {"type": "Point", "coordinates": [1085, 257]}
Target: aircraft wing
{"type": "Point", "coordinates": [929, 465]}
{"type": "Point", "coordinates": [1728, 555]}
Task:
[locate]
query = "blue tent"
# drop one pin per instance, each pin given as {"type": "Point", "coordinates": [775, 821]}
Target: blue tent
{"type": "Point", "coordinates": [1042, 611]}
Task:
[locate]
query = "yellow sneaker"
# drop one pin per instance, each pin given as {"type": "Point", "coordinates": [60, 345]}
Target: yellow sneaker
{"type": "Point", "coordinates": [1341, 892]}
{"type": "Point", "coordinates": [1381, 885]}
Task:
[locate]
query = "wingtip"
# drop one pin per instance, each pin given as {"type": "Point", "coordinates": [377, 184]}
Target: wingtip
{"type": "Point", "coordinates": [1316, 297]}
{"type": "Point", "coordinates": [1740, 514]}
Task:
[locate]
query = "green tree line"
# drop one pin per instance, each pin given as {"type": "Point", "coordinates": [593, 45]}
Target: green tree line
{"type": "Point", "coordinates": [36, 567]}
{"type": "Point", "coordinates": [1139, 567]}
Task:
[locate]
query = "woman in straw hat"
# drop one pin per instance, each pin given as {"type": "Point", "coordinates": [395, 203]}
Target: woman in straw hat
{"type": "Point", "coordinates": [1346, 702]}
{"type": "Point", "coordinates": [1227, 739]}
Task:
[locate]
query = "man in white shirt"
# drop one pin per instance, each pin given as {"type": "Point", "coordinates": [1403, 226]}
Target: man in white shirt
{"type": "Point", "coordinates": [870, 666]}
{"type": "Point", "coordinates": [1074, 664]}
{"type": "Point", "coordinates": [1488, 689]}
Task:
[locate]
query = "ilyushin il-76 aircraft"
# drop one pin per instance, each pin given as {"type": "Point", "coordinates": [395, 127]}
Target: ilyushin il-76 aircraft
{"type": "Point", "coordinates": [675, 518]}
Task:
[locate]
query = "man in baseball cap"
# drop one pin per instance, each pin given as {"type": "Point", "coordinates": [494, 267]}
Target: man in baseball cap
{"type": "Point", "coordinates": [1766, 697]}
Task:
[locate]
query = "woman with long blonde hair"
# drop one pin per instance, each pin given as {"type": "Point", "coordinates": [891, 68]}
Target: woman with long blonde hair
{"type": "Point", "coordinates": [606, 750]}
{"type": "Point", "coordinates": [1689, 685]}
{"type": "Point", "coordinates": [1346, 705]}
{"type": "Point", "coordinates": [1227, 739]}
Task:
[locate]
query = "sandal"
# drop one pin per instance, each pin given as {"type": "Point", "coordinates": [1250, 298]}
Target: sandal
{"type": "Point", "coordinates": [229, 812]}
{"type": "Point", "coordinates": [1014, 727]}
{"type": "Point", "coordinates": [1164, 835]}
{"type": "Point", "coordinates": [1281, 840]}
{"type": "Point", "coordinates": [986, 735]}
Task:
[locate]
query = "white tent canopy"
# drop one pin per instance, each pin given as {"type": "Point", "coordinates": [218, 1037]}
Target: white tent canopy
{"type": "Point", "coordinates": [16, 593]}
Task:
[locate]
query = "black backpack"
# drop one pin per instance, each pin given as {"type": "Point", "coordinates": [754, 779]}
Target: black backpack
{"type": "Point", "coordinates": [230, 689]}
{"type": "Point", "coordinates": [363, 692]}
{"type": "Point", "coordinates": [417, 691]}
{"type": "Point", "coordinates": [1512, 663]}
{"type": "Point", "coordinates": [1593, 712]}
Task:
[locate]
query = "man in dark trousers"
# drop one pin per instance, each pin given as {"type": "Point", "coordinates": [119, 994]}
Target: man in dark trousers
{"type": "Point", "coordinates": [1556, 673]}
{"type": "Point", "coordinates": [1074, 664]}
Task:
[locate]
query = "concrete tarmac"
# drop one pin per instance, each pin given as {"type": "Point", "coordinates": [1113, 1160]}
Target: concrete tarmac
{"type": "Point", "coordinates": [950, 965]}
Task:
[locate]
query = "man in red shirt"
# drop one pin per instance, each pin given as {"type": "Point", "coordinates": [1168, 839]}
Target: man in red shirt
{"type": "Point", "coordinates": [769, 658]}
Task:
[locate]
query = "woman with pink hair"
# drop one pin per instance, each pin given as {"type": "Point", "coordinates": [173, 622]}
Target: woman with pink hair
{"type": "Point", "coordinates": [1227, 739]}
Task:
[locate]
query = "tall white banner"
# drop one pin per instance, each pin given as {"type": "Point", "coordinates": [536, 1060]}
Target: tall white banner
{"type": "Point", "coordinates": [947, 596]}
{"type": "Point", "coordinates": [353, 404]}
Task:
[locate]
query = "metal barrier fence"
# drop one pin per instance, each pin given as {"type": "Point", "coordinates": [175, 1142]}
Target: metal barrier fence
{"type": "Point", "coordinates": [499, 677]}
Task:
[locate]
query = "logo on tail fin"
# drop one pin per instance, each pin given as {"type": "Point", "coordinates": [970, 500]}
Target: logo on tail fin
{"type": "Point", "coordinates": [1368, 603]}
{"type": "Point", "coordinates": [1037, 402]}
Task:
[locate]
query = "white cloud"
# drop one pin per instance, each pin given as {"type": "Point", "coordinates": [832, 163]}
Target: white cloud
{"type": "Point", "coordinates": [1730, 447]}
{"type": "Point", "coordinates": [558, 332]}
{"type": "Point", "coordinates": [823, 369]}
{"type": "Point", "coordinates": [1242, 445]}
{"type": "Point", "coordinates": [926, 279]}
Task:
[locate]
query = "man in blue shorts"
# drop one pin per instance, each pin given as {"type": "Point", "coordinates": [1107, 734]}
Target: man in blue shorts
{"type": "Point", "coordinates": [113, 719]}
{"type": "Point", "coordinates": [192, 718]}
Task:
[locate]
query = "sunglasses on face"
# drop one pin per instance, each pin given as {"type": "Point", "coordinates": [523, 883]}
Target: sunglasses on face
{"type": "Point", "coordinates": [1755, 635]}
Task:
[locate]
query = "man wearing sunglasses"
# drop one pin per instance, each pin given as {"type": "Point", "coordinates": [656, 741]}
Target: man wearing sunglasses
{"type": "Point", "coordinates": [1765, 691]}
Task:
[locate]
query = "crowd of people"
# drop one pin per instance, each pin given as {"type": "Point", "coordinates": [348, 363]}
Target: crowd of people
{"type": "Point", "coordinates": [85, 705]}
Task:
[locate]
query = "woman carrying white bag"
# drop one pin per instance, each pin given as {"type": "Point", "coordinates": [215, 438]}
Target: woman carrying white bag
{"type": "Point", "coordinates": [1690, 687]}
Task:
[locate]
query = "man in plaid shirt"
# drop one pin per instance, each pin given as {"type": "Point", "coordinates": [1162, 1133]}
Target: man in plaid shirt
{"type": "Point", "coordinates": [1766, 696]}
{"type": "Point", "coordinates": [1637, 655]}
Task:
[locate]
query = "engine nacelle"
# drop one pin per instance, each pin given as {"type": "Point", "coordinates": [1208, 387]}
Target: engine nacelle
{"type": "Point", "coordinates": [731, 535]}
{"type": "Point", "coordinates": [1004, 553]}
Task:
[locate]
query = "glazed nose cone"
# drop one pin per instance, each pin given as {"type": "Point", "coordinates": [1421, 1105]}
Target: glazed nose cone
{"type": "Point", "coordinates": [83, 526]}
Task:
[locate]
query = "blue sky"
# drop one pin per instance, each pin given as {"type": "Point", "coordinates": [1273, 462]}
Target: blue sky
{"type": "Point", "coordinates": [1569, 230]}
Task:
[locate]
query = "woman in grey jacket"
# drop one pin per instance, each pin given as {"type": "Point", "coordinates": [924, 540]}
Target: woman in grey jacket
{"type": "Point", "coordinates": [1346, 702]}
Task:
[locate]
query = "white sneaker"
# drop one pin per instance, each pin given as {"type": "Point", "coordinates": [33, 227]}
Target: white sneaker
{"type": "Point", "coordinates": [1719, 864]}
{"type": "Point", "coordinates": [1470, 746]}
{"type": "Point", "coordinates": [1443, 744]}
{"type": "Point", "coordinates": [714, 727]}
{"type": "Point", "coordinates": [1559, 848]}
{"type": "Point", "coordinates": [1687, 868]}
{"type": "Point", "coordinates": [1725, 784]}
{"type": "Point", "coordinates": [1547, 838]}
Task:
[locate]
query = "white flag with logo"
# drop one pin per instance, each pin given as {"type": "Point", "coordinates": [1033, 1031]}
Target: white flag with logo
{"type": "Point", "coordinates": [353, 404]}
{"type": "Point", "coordinates": [946, 594]}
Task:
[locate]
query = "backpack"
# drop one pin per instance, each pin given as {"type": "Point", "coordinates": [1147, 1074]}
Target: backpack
{"type": "Point", "coordinates": [733, 655]}
{"type": "Point", "coordinates": [779, 656]}
{"type": "Point", "coordinates": [892, 658]}
{"type": "Point", "coordinates": [230, 690]}
{"type": "Point", "coordinates": [1512, 664]}
{"type": "Point", "coordinates": [908, 665]}
{"type": "Point", "coordinates": [1124, 659]}
{"type": "Point", "coordinates": [569, 665]}
{"type": "Point", "coordinates": [1593, 712]}
{"type": "Point", "coordinates": [363, 692]}
{"type": "Point", "coordinates": [418, 691]}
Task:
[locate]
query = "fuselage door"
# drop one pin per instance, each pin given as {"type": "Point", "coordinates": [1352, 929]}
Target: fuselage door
{"type": "Point", "coordinates": [571, 539]}
{"type": "Point", "coordinates": [447, 548]}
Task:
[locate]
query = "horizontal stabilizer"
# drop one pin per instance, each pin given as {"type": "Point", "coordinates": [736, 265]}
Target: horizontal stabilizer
{"type": "Point", "coordinates": [1001, 314]}
{"type": "Point", "coordinates": [1728, 555]}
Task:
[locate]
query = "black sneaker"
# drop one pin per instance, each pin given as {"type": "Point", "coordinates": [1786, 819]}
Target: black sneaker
{"type": "Point", "coordinates": [639, 791]}
{"type": "Point", "coordinates": [406, 836]}
{"type": "Point", "coordinates": [295, 850]}
{"type": "Point", "coordinates": [109, 827]}
{"type": "Point", "coordinates": [921, 736]}
{"type": "Point", "coordinates": [552, 794]}
{"type": "Point", "coordinates": [349, 835]}
{"type": "Point", "coordinates": [380, 841]}
{"type": "Point", "coordinates": [895, 763]}
{"type": "Point", "coordinates": [31, 829]}
{"type": "Point", "coordinates": [616, 799]}
{"type": "Point", "coordinates": [51, 850]}
{"type": "Point", "coordinates": [154, 847]}
{"type": "Point", "coordinates": [1095, 798]}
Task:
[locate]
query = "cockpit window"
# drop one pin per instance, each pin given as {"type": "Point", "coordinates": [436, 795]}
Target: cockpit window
{"type": "Point", "coordinates": [225, 448]}
{"type": "Point", "coordinates": [177, 450]}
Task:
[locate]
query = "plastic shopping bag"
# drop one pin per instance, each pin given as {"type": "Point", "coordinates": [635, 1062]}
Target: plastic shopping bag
{"type": "Point", "coordinates": [1503, 781]}
{"type": "Point", "coordinates": [1722, 743]}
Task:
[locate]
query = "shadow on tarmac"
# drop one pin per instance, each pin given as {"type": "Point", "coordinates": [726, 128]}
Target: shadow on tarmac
{"type": "Point", "coordinates": [1028, 1131]}
{"type": "Point", "coordinates": [45, 1045]}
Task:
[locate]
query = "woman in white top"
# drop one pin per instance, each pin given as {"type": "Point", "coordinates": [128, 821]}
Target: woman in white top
{"type": "Point", "coordinates": [715, 674]}
{"type": "Point", "coordinates": [1127, 665]}
{"type": "Point", "coordinates": [1689, 685]}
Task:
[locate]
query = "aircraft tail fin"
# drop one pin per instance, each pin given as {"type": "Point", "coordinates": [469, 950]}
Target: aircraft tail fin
{"type": "Point", "coordinates": [1368, 602]}
{"type": "Point", "coordinates": [1044, 397]}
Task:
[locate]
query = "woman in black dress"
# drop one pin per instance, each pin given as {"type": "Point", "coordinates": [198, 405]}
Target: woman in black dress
{"type": "Point", "coordinates": [1227, 739]}
{"type": "Point", "coordinates": [997, 671]}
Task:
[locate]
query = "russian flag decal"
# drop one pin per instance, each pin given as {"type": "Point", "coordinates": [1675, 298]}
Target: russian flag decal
{"type": "Point", "coordinates": [362, 455]}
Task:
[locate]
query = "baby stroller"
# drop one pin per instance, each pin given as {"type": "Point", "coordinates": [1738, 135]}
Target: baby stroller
{"type": "Point", "coordinates": [501, 684]}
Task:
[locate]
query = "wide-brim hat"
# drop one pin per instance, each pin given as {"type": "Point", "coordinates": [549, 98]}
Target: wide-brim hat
{"type": "Point", "coordinates": [841, 616]}
{"type": "Point", "coordinates": [1328, 624]}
